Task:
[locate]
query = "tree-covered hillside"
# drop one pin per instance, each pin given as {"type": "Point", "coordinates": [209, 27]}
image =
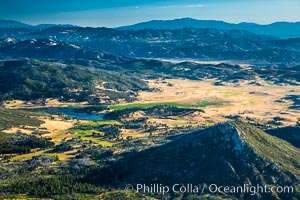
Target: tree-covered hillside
{"type": "Point", "coordinates": [32, 80]}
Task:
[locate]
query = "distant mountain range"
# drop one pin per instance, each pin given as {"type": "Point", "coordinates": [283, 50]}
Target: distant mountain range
{"type": "Point", "coordinates": [161, 39]}
{"type": "Point", "coordinates": [13, 24]}
{"type": "Point", "coordinates": [187, 43]}
{"type": "Point", "coordinates": [278, 29]}
{"type": "Point", "coordinates": [16, 24]}
{"type": "Point", "coordinates": [24, 77]}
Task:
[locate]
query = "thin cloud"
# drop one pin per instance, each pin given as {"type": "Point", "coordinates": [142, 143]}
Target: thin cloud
{"type": "Point", "coordinates": [184, 6]}
{"type": "Point", "coordinates": [193, 6]}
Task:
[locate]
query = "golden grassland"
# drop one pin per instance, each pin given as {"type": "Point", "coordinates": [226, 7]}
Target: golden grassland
{"type": "Point", "coordinates": [258, 103]}
{"type": "Point", "coordinates": [15, 104]}
{"type": "Point", "coordinates": [61, 156]}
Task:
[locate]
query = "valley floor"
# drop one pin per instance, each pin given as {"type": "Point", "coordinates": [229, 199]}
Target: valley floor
{"type": "Point", "coordinates": [173, 107]}
{"type": "Point", "coordinates": [259, 104]}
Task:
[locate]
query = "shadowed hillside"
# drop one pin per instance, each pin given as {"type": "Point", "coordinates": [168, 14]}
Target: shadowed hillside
{"type": "Point", "coordinates": [232, 153]}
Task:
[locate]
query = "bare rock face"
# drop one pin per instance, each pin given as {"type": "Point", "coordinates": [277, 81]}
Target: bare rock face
{"type": "Point", "coordinates": [42, 161]}
{"type": "Point", "coordinates": [226, 134]}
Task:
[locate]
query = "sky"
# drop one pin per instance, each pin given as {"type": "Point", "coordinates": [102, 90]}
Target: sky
{"type": "Point", "coordinates": [114, 13]}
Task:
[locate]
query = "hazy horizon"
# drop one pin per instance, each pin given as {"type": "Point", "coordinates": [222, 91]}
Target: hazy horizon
{"type": "Point", "coordinates": [34, 24]}
{"type": "Point", "coordinates": [114, 13]}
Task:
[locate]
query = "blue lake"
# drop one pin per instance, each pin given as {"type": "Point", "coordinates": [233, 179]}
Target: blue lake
{"type": "Point", "coordinates": [70, 112]}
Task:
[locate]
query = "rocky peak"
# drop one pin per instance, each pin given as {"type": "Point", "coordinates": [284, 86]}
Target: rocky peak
{"type": "Point", "coordinates": [227, 134]}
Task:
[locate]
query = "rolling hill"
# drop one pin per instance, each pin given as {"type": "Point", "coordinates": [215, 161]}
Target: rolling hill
{"type": "Point", "coordinates": [34, 80]}
{"type": "Point", "coordinates": [225, 73]}
{"type": "Point", "coordinates": [49, 49]}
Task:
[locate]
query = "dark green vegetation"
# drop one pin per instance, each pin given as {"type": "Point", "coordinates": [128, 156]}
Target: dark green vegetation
{"type": "Point", "coordinates": [33, 80]}
{"type": "Point", "coordinates": [21, 143]}
{"type": "Point", "coordinates": [15, 118]}
{"type": "Point", "coordinates": [225, 73]}
{"type": "Point", "coordinates": [179, 105]}
{"type": "Point", "coordinates": [290, 134]}
{"type": "Point", "coordinates": [18, 143]}
{"type": "Point", "coordinates": [159, 111]}
{"type": "Point", "coordinates": [36, 178]}
{"type": "Point", "coordinates": [295, 99]}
